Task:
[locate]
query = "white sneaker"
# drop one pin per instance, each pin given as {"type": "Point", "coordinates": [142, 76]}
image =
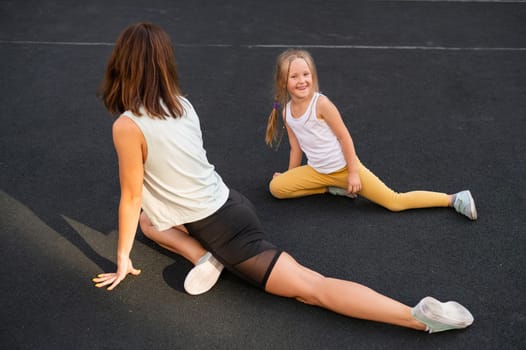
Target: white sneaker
{"type": "Point", "coordinates": [204, 275]}
{"type": "Point", "coordinates": [337, 191]}
{"type": "Point", "coordinates": [439, 317]}
{"type": "Point", "coordinates": [465, 204]}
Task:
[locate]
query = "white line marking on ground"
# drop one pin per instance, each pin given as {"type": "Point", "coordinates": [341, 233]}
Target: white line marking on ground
{"type": "Point", "coordinates": [264, 46]}
{"type": "Point", "coordinates": [491, 1]}
{"type": "Point", "coordinates": [393, 47]}
{"type": "Point", "coordinates": [57, 43]}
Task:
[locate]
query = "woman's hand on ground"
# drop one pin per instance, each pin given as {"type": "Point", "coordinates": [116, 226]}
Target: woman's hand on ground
{"type": "Point", "coordinates": [114, 278]}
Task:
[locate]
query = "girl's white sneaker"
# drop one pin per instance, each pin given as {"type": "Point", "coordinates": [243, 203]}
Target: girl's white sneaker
{"type": "Point", "coordinates": [337, 191]}
{"type": "Point", "coordinates": [465, 204]}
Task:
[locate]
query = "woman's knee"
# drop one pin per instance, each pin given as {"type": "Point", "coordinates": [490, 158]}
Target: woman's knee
{"type": "Point", "coordinates": [290, 279]}
{"type": "Point", "coordinates": [146, 225]}
{"type": "Point", "coordinates": [312, 293]}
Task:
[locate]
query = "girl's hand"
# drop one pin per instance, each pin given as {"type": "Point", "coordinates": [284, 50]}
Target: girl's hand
{"type": "Point", "coordinates": [276, 174]}
{"type": "Point", "coordinates": [354, 185]}
{"type": "Point", "coordinates": [114, 278]}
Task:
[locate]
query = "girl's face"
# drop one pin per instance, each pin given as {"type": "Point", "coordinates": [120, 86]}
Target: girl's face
{"type": "Point", "coordinates": [299, 81]}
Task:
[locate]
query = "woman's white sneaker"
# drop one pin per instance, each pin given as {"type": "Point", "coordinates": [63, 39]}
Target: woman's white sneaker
{"type": "Point", "coordinates": [204, 275]}
{"type": "Point", "coordinates": [440, 317]}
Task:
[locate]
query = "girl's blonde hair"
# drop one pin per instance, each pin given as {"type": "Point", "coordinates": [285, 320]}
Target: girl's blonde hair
{"type": "Point", "coordinates": [281, 95]}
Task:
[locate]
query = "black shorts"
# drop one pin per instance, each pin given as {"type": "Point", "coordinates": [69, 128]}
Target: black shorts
{"type": "Point", "coordinates": [234, 235]}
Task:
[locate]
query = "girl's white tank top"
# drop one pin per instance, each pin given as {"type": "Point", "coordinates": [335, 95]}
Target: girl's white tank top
{"type": "Point", "coordinates": [316, 139]}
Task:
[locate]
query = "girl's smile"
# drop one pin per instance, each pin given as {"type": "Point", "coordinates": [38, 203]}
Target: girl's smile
{"type": "Point", "coordinates": [299, 80]}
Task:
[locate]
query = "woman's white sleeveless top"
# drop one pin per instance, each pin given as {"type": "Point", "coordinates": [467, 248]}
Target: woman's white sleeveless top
{"type": "Point", "coordinates": [180, 185]}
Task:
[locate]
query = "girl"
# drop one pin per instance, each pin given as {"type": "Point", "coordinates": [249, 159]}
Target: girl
{"type": "Point", "coordinates": [315, 127]}
{"type": "Point", "coordinates": [163, 168]}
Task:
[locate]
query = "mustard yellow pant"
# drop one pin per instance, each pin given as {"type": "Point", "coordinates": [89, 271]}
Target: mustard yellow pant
{"type": "Point", "coordinates": [305, 181]}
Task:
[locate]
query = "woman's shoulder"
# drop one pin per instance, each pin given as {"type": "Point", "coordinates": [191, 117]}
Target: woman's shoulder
{"type": "Point", "coordinates": [124, 122]}
{"type": "Point", "coordinates": [126, 131]}
{"type": "Point", "coordinates": [185, 102]}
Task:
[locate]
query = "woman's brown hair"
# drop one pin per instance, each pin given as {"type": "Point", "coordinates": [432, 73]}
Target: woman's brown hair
{"type": "Point", "coordinates": [281, 96]}
{"type": "Point", "coordinates": [142, 72]}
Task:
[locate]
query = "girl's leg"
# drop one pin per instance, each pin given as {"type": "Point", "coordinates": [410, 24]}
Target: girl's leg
{"type": "Point", "coordinates": [376, 191]}
{"type": "Point", "coordinates": [290, 279]}
{"type": "Point", "coordinates": [175, 239]}
{"type": "Point", "coordinates": [305, 181]}
{"type": "Point", "coordinates": [300, 182]}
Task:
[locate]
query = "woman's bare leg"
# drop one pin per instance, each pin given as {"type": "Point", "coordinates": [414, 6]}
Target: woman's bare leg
{"type": "Point", "coordinates": [175, 239]}
{"type": "Point", "coordinates": [290, 279]}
